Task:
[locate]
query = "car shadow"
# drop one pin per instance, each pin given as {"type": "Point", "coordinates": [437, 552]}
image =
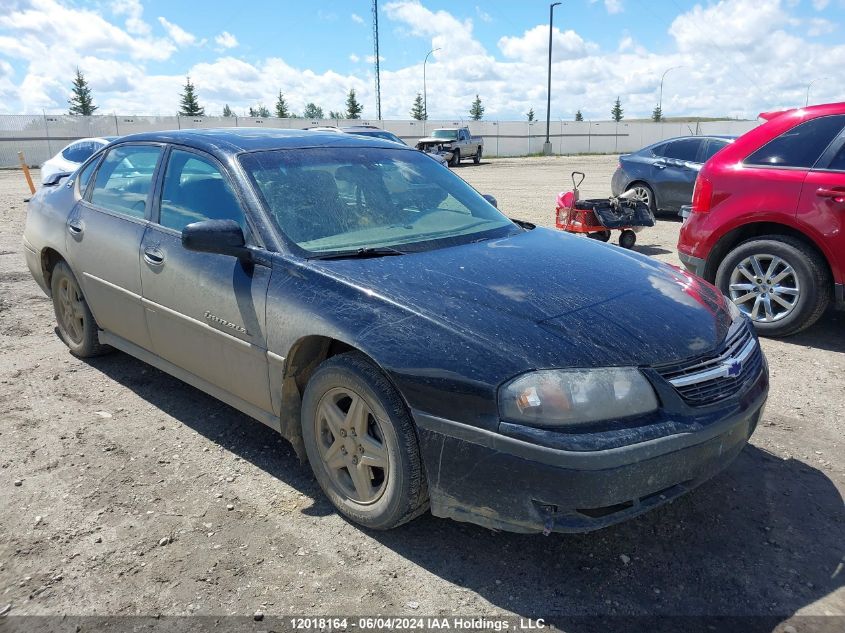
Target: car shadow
{"type": "Point", "coordinates": [827, 333]}
{"type": "Point", "coordinates": [650, 249]}
{"type": "Point", "coordinates": [763, 539]}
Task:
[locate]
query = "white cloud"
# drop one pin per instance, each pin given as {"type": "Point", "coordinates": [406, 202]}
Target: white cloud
{"type": "Point", "coordinates": [177, 33]}
{"type": "Point", "coordinates": [354, 58]}
{"type": "Point", "coordinates": [133, 10]}
{"type": "Point", "coordinates": [357, 18]}
{"type": "Point", "coordinates": [533, 45]}
{"type": "Point", "coordinates": [226, 40]}
{"type": "Point", "coordinates": [612, 6]}
{"type": "Point", "coordinates": [483, 15]}
{"type": "Point", "coordinates": [820, 5]}
{"type": "Point", "coordinates": [440, 26]}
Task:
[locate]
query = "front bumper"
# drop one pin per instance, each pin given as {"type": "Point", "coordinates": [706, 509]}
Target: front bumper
{"type": "Point", "coordinates": [504, 483]}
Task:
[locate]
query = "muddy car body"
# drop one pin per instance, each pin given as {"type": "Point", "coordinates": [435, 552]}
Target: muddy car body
{"type": "Point", "coordinates": [443, 356]}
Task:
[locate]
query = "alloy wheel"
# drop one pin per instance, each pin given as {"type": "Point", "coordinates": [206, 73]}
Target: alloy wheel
{"type": "Point", "coordinates": [765, 287]}
{"type": "Point", "coordinates": [351, 445]}
{"type": "Point", "coordinates": [71, 311]}
{"type": "Point", "coordinates": [642, 194]}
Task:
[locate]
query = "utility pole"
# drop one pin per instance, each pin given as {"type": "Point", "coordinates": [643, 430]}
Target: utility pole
{"type": "Point", "coordinates": [425, 94]}
{"type": "Point", "coordinates": [375, 50]}
{"type": "Point", "coordinates": [547, 146]}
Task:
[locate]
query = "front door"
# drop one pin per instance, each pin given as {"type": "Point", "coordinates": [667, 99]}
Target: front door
{"type": "Point", "coordinates": [103, 241]}
{"type": "Point", "coordinates": [205, 311]}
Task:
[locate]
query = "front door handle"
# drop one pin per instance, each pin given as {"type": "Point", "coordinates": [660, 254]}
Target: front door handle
{"type": "Point", "coordinates": [153, 256]}
{"type": "Point", "coordinates": [75, 227]}
{"type": "Point", "coordinates": [838, 195]}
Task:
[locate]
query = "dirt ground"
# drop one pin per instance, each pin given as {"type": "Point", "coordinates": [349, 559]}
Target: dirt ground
{"type": "Point", "coordinates": [124, 491]}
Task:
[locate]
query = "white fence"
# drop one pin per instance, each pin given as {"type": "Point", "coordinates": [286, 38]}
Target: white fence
{"type": "Point", "coordinates": [42, 136]}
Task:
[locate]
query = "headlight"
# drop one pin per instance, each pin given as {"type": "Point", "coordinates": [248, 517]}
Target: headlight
{"type": "Point", "coordinates": [564, 397]}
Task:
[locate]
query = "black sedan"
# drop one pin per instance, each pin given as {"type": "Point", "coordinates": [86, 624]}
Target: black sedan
{"type": "Point", "coordinates": [663, 175]}
{"type": "Point", "coordinates": [418, 347]}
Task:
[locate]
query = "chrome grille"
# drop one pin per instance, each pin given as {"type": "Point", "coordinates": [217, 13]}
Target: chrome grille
{"type": "Point", "coordinates": [719, 374]}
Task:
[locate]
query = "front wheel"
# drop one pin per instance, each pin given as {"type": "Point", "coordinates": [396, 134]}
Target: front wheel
{"type": "Point", "coordinates": [456, 158]}
{"type": "Point", "coordinates": [361, 443]}
{"type": "Point", "coordinates": [778, 281]}
{"type": "Point", "coordinates": [477, 158]}
{"type": "Point", "coordinates": [76, 325]}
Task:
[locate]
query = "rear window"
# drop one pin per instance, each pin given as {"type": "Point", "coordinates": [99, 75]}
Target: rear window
{"type": "Point", "coordinates": [712, 147]}
{"type": "Point", "coordinates": [801, 146]}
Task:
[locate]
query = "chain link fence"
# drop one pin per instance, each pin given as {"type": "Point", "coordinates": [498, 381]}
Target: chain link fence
{"type": "Point", "coordinates": [40, 137]}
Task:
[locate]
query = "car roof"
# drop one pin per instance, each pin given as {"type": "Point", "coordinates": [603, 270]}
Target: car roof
{"type": "Point", "coordinates": [248, 139]}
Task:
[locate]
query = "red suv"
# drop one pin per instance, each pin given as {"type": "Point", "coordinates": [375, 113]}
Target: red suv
{"type": "Point", "coordinates": [768, 219]}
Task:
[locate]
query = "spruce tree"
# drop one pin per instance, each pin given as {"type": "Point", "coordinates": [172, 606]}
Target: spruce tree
{"type": "Point", "coordinates": [189, 103]}
{"type": "Point", "coordinates": [81, 101]}
{"type": "Point", "coordinates": [336, 115]}
{"type": "Point", "coordinates": [657, 114]}
{"type": "Point", "coordinates": [353, 108]}
{"type": "Point", "coordinates": [617, 112]}
{"type": "Point", "coordinates": [579, 116]}
{"type": "Point", "coordinates": [282, 107]}
{"type": "Point", "coordinates": [477, 110]}
{"type": "Point", "coordinates": [227, 111]}
{"type": "Point", "coordinates": [418, 109]}
{"type": "Point", "coordinates": [530, 114]}
{"type": "Point", "coordinates": [312, 111]}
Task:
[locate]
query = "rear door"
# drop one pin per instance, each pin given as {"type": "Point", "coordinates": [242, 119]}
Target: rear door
{"type": "Point", "coordinates": [678, 170]}
{"type": "Point", "coordinates": [205, 311]}
{"type": "Point", "coordinates": [103, 238]}
{"type": "Point", "coordinates": [822, 204]}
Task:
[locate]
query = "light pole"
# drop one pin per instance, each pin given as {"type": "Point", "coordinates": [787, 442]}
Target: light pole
{"type": "Point", "coordinates": [660, 99]}
{"type": "Point", "coordinates": [547, 146]}
{"type": "Point", "coordinates": [425, 94]}
{"type": "Point", "coordinates": [810, 85]}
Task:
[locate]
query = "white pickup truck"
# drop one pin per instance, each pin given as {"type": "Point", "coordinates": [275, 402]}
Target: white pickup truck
{"type": "Point", "coordinates": [453, 144]}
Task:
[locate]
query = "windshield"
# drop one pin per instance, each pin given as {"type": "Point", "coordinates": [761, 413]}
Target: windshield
{"type": "Point", "coordinates": [447, 134]}
{"type": "Point", "coordinates": [333, 199]}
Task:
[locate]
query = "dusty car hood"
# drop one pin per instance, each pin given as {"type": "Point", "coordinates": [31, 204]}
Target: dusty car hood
{"type": "Point", "coordinates": [431, 139]}
{"type": "Point", "coordinates": [556, 298]}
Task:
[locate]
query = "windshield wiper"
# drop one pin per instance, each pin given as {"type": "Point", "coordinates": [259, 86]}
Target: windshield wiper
{"type": "Point", "coordinates": [361, 253]}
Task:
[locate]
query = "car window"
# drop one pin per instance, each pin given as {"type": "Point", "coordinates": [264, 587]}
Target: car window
{"type": "Point", "coordinates": [658, 150]}
{"type": "Point", "coordinates": [81, 151]}
{"type": "Point", "coordinates": [801, 146]}
{"type": "Point", "coordinates": [195, 190]}
{"type": "Point", "coordinates": [713, 146]}
{"type": "Point", "coordinates": [685, 149]}
{"type": "Point", "coordinates": [124, 179]}
{"type": "Point", "coordinates": [85, 175]}
{"type": "Point", "coordinates": [838, 162]}
{"type": "Point", "coordinates": [330, 199]}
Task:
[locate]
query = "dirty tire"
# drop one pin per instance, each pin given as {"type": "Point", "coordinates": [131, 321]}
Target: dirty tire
{"type": "Point", "coordinates": [75, 323]}
{"type": "Point", "coordinates": [477, 158]}
{"type": "Point", "coordinates": [810, 270]}
{"type": "Point", "coordinates": [456, 158]}
{"type": "Point", "coordinates": [404, 492]}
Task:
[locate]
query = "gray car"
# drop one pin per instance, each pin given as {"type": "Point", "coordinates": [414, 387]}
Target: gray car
{"type": "Point", "coordinates": [663, 174]}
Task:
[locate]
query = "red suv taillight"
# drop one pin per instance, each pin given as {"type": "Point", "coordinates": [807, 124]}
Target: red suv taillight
{"type": "Point", "coordinates": [702, 195]}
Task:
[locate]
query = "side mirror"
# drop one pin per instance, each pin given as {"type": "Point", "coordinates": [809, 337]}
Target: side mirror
{"type": "Point", "coordinates": [490, 199]}
{"type": "Point", "coordinates": [223, 237]}
{"type": "Point", "coordinates": [56, 178]}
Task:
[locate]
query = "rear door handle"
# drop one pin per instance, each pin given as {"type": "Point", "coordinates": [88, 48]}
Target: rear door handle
{"type": "Point", "coordinates": [660, 164]}
{"type": "Point", "coordinates": [838, 195]}
{"type": "Point", "coordinates": [75, 227]}
{"type": "Point", "coordinates": [153, 256]}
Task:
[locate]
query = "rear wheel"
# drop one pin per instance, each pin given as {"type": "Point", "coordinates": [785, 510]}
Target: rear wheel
{"type": "Point", "coordinates": [601, 236]}
{"type": "Point", "coordinates": [76, 325]}
{"type": "Point", "coordinates": [643, 193]}
{"type": "Point", "coordinates": [361, 443]}
{"type": "Point", "coordinates": [456, 158]}
{"type": "Point", "coordinates": [477, 158]}
{"type": "Point", "coordinates": [778, 281]}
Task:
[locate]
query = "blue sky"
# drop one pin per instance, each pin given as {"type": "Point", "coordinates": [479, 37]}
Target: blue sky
{"type": "Point", "coordinates": [738, 57]}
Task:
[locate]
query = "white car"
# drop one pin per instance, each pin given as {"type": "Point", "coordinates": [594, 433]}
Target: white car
{"type": "Point", "coordinates": [72, 156]}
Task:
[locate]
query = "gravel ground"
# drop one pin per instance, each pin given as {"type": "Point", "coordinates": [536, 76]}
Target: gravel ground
{"type": "Point", "coordinates": [126, 492]}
